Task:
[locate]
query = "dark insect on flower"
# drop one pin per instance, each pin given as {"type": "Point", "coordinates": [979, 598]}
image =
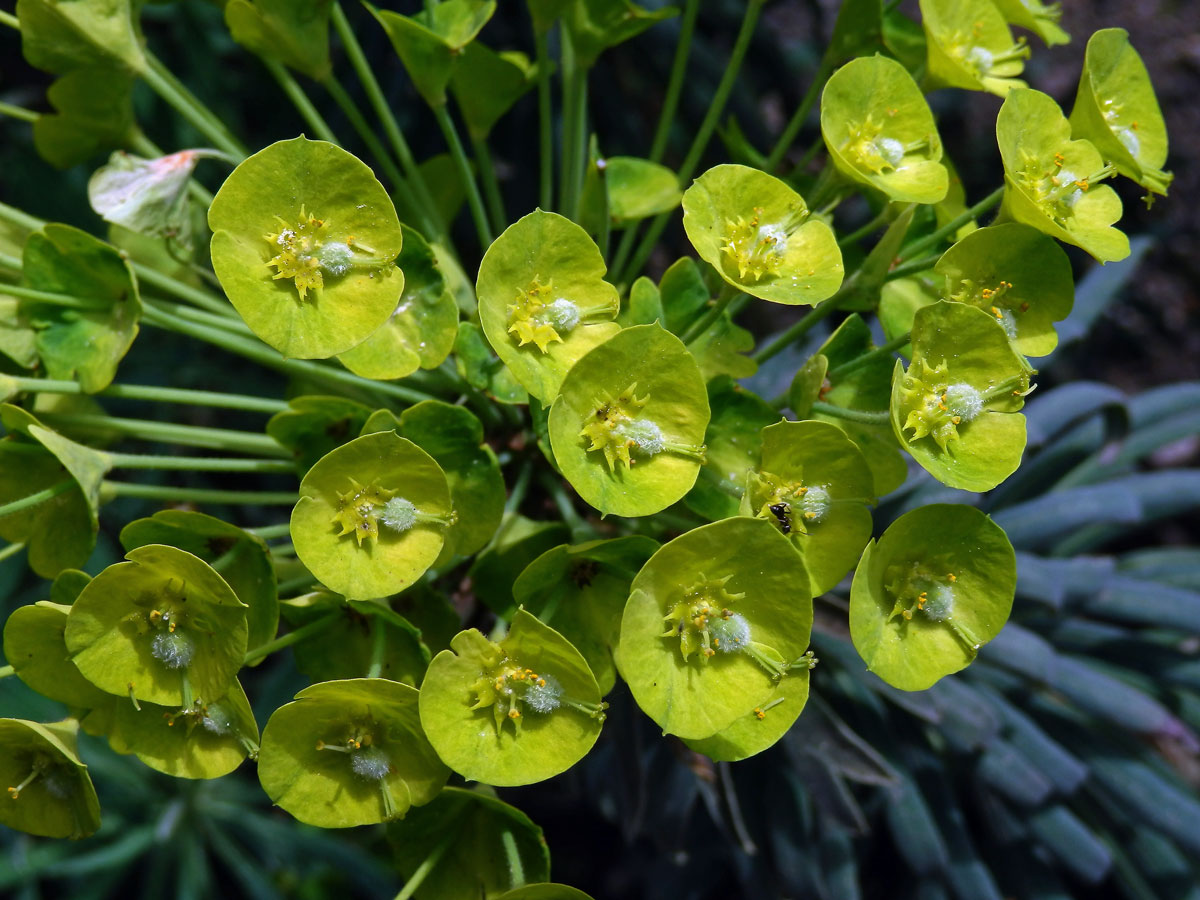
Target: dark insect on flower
{"type": "Point", "coordinates": [783, 513]}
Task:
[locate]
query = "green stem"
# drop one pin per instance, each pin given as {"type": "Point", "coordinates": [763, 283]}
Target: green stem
{"type": "Point", "coordinates": [701, 325]}
{"type": "Point", "coordinates": [579, 139]}
{"type": "Point", "coordinates": [34, 499]}
{"type": "Point", "coordinates": [666, 117]}
{"type": "Point", "coordinates": [292, 637]}
{"type": "Point", "coordinates": [914, 267]}
{"type": "Point", "coordinates": [68, 301]}
{"type": "Point", "coordinates": [378, 647]}
{"type": "Point", "coordinates": [568, 153]}
{"type": "Point", "coordinates": [858, 362]}
{"type": "Point", "coordinates": [863, 417]}
{"type": "Point", "coordinates": [7, 18]}
{"type": "Point", "coordinates": [391, 127]}
{"type": "Point", "coordinates": [474, 200]}
{"type": "Point", "coordinates": [802, 327]}
{"type": "Point", "coordinates": [20, 218]}
{"type": "Point", "coordinates": [11, 550]}
{"type": "Point", "coordinates": [869, 228]}
{"type": "Point", "coordinates": [932, 240]}
{"type": "Point", "coordinates": [520, 488]}
{"type": "Point", "coordinates": [545, 123]}
{"type": "Point", "coordinates": [628, 240]}
{"type": "Point", "coordinates": [18, 112]}
{"type": "Point", "coordinates": [172, 433]}
{"type": "Point", "coordinates": [169, 493]}
{"type": "Point", "coordinates": [269, 532]}
{"type": "Point", "coordinates": [364, 131]}
{"type": "Point", "coordinates": [198, 463]}
{"type": "Point", "coordinates": [516, 869]}
{"type": "Point", "coordinates": [154, 394]}
{"type": "Point", "coordinates": [491, 187]}
{"type": "Point", "coordinates": [579, 526]}
{"type": "Point", "coordinates": [700, 143]}
{"type": "Point", "coordinates": [422, 871]}
{"type": "Point", "coordinates": [5, 671]}
{"type": "Point", "coordinates": [262, 354]}
{"type": "Point", "coordinates": [190, 107]}
{"type": "Point", "coordinates": [300, 100]}
{"type": "Point", "coordinates": [788, 136]}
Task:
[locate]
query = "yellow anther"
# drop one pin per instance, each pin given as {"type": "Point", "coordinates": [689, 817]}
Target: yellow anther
{"type": "Point", "coordinates": [758, 713]}
{"type": "Point", "coordinates": [514, 713]}
{"type": "Point", "coordinates": [952, 577]}
{"type": "Point", "coordinates": [907, 613]}
{"type": "Point", "coordinates": [15, 792]}
{"type": "Point", "coordinates": [541, 682]}
{"type": "Point", "coordinates": [320, 745]}
{"type": "Point", "coordinates": [922, 599]}
{"type": "Point", "coordinates": [957, 420]}
{"type": "Point", "coordinates": [155, 615]}
{"type": "Point", "coordinates": [709, 651]}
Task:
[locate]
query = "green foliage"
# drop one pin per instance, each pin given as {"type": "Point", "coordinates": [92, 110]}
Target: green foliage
{"type": "Point", "coordinates": [542, 470]}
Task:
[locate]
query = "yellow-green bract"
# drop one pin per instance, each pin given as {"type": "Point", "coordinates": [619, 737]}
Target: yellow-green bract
{"type": "Point", "coordinates": [628, 426]}
{"type": "Point", "coordinates": [716, 628]}
{"type": "Point", "coordinates": [955, 409]}
{"type": "Point", "coordinates": [50, 793]}
{"type": "Point", "coordinates": [970, 46]}
{"type": "Point", "coordinates": [936, 586]}
{"type": "Point", "coordinates": [304, 239]}
{"type": "Point", "coordinates": [880, 131]}
{"type": "Point", "coordinates": [760, 237]}
{"type": "Point", "coordinates": [349, 752]}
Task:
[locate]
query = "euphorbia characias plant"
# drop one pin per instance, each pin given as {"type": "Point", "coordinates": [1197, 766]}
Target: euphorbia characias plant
{"type": "Point", "coordinates": [519, 413]}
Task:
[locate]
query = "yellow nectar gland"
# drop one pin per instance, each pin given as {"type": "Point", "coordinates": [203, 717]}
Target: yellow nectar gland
{"type": "Point", "coordinates": [703, 621]}
{"type": "Point", "coordinates": [616, 430]}
{"type": "Point", "coordinates": [1054, 186]}
{"type": "Point", "coordinates": [929, 593]}
{"type": "Point", "coordinates": [306, 252]}
{"type": "Point", "coordinates": [937, 407]}
{"type": "Point", "coordinates": [758, 248]}
{"type": "Point", "coordinates": [791, 505]}
{"type": "Point", "coordinates": [511, 690]}
{"type": "Point", "coordinates": [995, 300]}
{"type": "Point", "coordinates": [540, 318]}
{"type": "Point", "coordinates": [870, 149]}
{"type": "Point", "coordinates": [979, 60]}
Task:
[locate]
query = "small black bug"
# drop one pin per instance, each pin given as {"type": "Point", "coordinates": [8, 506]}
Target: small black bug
{"type": "Point", "coordinates": [783, 513]}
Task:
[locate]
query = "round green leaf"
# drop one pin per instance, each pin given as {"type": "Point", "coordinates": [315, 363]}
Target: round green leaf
{"type": "Point", "coordinates": [760, 728]}
{"type": "Point", "coordinates": [1050, 179]}
{"type": "Point", "coordinates": [304, 238]}
{"type": "Point", "coordinates": [371, 516]}
{"type": "Point", "coordinates": [1116, 110]}
{"type": "Point", "coordinates": [758, 234]}
{"type": "Point", "coordinates": [956, 407]}
{"type": "Point", "coordinates": [162, 627]}
{"type": "Point", "coordinates": [84, 344]}
{"type": "Point", "coordinates": [638, 189]}
{"type": "Point", "coordinates": [294, 32]}
{"type": "Point", "coordinates": [475, 834]}
{"type": "Point", "coordinates": [815, 486]}
{"type": "Point", "coordinates": [239, 557]}
{"type": "Point", "coordinates": [969, 45]}
{"type": "Point", "coordinates": [486, 84]}
{"type": "Point", "coordinates": [543, 300]}
{"type": "Point", "coordinates": [34, 646]}
{"type": "Point", "coordinates": [312, 426]}
{"type": "Point", "coordinates": [581, 591]}
{"type": "Point", "coordinates": [511, 713]}
{"type": "Point", "coordinates": [716, 622]}
{"type": "Point", "coordinates": [421, 330]}
{"type": "Point", "coordinates": [628, 427]}
{"type": "Point", "coordinates": [936, 586]}
{"type": "Point", "coordinates": [880, 131]}
{"type": "Point", "coordinates": [53, 795]}
{"type": "Point", "coordinates": [349, 753]}
{"type": "Point", "coordinates": [207, 740]}
{"type": "Point", "coordinates": [980, 270]}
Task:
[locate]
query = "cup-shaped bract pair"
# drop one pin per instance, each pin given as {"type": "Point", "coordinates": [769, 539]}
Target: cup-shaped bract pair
{"type": "Point", "coordinates": [348, 753]}
{"type": "Point", "coordinates": [880, 131]}
{"type": "Point", "coordinates": [304, 244]}
{"type": "Point", "coordinates": [1018, 275]}
{"type": "Point", "coordinates": [715, 633]}
{"type": "Point", "coordinates": [162, 627]}
{"type": "Point", "coordinates": [759, 235]}
{"type": "Point", "coordinates": [1116, 109]}
{"type": "Point", "coordinates": [49, 791]}
{"type": "Point", "coordinates": [955, 409]}
{"type": "Point", "coordinates": [543, 300]}
{"type": "Point", "coordinates": [628, 427]}
{"type": "Point", "coordinates": [372, 516]}
{"type": "Point", "coordinates": [930, 592]}
{"type": "Point", "coordinates": [1034, 15]}
{"type": "Point", "coordinates": [969, 45]}
{"type": "Point", "coordinates": [1051, 181]}
{"type": "Point", "coordinates": [514, 712]}
{"type": "Point", "coordinates": [815, 486]}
